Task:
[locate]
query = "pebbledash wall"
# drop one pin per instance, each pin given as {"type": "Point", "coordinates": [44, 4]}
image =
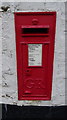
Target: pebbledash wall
{"type": "Point", "coordinates": [9, 70]}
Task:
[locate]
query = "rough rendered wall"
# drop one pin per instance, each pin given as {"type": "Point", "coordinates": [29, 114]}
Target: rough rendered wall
{"type": "Point", "coordinates": [9, 81]}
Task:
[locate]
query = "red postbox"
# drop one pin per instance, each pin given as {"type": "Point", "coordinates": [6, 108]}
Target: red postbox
{"type": "Point", "coordinates": [35, 36]}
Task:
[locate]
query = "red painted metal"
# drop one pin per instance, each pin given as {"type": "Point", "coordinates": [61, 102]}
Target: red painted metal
{"type": "Point", "coordinates": [35, 82]}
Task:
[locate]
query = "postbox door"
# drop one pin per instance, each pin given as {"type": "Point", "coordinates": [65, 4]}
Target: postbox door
{"type": "Point", "coordinates": [34, 69]}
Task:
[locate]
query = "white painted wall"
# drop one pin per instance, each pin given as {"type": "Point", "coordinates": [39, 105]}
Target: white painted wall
{"type": "Point", "coordinates": [9, 74]}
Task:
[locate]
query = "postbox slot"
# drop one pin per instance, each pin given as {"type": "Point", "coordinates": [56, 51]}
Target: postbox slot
{"type": "Point", "coordinates": [35, 30]}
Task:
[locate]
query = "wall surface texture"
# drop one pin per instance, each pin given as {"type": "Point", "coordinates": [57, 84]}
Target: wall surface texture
{"type": "Point", "coordinates": [9, 70]}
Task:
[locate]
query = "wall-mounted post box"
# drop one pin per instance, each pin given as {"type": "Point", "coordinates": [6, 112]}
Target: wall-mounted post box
{"type": "Point", "coordinates": [35, 36]}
